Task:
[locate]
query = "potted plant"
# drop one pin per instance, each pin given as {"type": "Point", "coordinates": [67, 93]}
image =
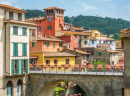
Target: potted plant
{"type": "Point", "coordinates": [45, 66]}
{"type": "Point", "coordinates": [75, 67]}
{"type": "Point", "coordinates": [69, 65]}
{"type": "Point", "coordinates": [42, 65]}
{"type": "Point", "coordinates": [66, 66]}
{"type": "Point", "coordinates": [99, 67]}
{"type": "Point", "coordinates": [38, 66]}
{"type": "Point", "coordinates": [62, 65]}
{"type": "Point", "coordinates": [55, 64]}
{"type": "Point", "coordinates": [52, 66]}
{"type": "Point", "coordinates": [123, 67]}
{"type": "Point", "coordinates": [82, 67]}
{"type": "Point", "coordinates": [59, 67]}
{"type": "Point", "coordinates": [49, 65]}
{"type": "Point", "coordinates": [79, 94]}
{"type": "Point", "coordinates": [90, 66]}
{"type": "Point", "coordinates": [30, 66]}
{"type": "Point", "coordinates": [75, 94]}
{"type": "Point", "coordinates": [108, 67]}
{"type": "Point", "coordinates": [117, 67]}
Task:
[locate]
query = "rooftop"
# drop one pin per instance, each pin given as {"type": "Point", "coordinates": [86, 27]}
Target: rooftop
{"type": "Point", "coordinates": [49, 39]}
{"type": "Point", "coordinates": [76, 33]}
{"type": "Point", "coordinates": [57, 54]}
{"type": "Point", "coordinates": [53, 8]}
{"type": "Point", "coordinates": [77, 29]}
{"type": "Point", "coordinates": [12, 8]}
{"type": "Point", "coordinates": [34, 19]}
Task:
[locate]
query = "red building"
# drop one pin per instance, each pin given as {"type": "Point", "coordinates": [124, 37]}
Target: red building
{"type": "Point", "coordinates": [53, 21]}
{"type": "Point", "coordinates": [70, 41]}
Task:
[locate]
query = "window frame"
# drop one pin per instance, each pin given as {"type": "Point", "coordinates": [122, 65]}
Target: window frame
{"type": "Point", "coordinates": [60, 44]}
{"type": "Point", "coordinates": [11, 15]}
{"type": "Point", "coordinates": [67, 62]}
{"type": "Point", "coordinates": [15, 33]}
{"type": "Point", "coordinates": [19, 17]}
{"type": "Point", "coordinates": [24, 31]}
{"type": "Point", "coordinates": [33, 44]}
{"type": "Point", "coordinates": [48, 62]}
{"type": "Point", "coordinates": [56, 61]}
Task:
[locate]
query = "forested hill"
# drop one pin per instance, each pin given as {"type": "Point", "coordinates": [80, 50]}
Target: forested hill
{"type": "Point", "coordinates": [105, 25]}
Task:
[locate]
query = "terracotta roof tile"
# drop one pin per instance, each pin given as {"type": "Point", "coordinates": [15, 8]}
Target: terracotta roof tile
{"type": "Point", "coordinates": [11, 7]}
{"type": "Point", "coordinates": [57, 54]}
{"type": "Point", "coordinates": [49, 39]}
{"type": "Point", "coordinates": [34, 19]}
{"type": "Point", "coordinates": [53, 8]}
{"type": "Point", "coordinates": [77, 28]}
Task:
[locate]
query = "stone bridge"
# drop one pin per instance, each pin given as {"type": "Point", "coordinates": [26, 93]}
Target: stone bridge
{"type": "Point", "coordinates": [43, 84]}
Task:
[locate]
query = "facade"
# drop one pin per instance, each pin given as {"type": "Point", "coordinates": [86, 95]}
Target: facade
{"type": "Point", "coordinates": [70, 41]}
{"type": "Point", "coordinates": [45, 44]}
{"type": "Point", "coordinates": [14, 58]}
{"type": "Point", "coordinates": [67, 26]}
{"type": "Point", "coordinates": [53, 21]}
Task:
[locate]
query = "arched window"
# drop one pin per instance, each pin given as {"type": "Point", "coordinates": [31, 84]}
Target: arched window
{"type": "Point", "coordinates": [19, 88]}
{"type": "Point", "coordinates": [9, 89]}
{"type": "Point", "coordinates": [59, 28]}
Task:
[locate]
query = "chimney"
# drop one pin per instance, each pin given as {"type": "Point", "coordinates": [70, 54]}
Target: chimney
{"type": "Point", "coordinates": [74, 50]}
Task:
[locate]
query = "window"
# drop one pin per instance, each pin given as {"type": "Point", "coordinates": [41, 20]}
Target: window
{"type": "Point", "coordinates": [110, 42]}
{"type": "Point", "coordinates": [24, 49]}
{"type": "Point", "coordinates": [49, 27]}
{"type": "Point", "coordinates": [19, 17]}
{"type": "Point", "coordinates": [67, 61]}
{"type": "Point", "coordinates": [24, 31]}
{"type": "Point", "coordinates": [24, 64]}
{"type": "Point", "coordinates": [19, 88]}
{"type": "Point", "coordinates": [39, 21]}
{"type": "Point", "coordinates": [85, 42]}
{"type": "Point", "coordinates": [71, 37]}
{"type": "Point", "coordinates": [48, 44]}
{"type": "Point", "coordinates": [84, 36]}
{"type": "Point", "coordinates": [99, 41]}
{"type": "Point", "coordinates": [39, 28]}
{"type": "Point", "coordinates": [15, 49]}
{"type": "Point", "coordinates": [33, 44]}
{"type": "Point", "coordinates": [60, 44]}
{"type": "Point", "coordinates": [99, 53]}
{"type": "Point", "coordinates": [9, 89]}
{"type": "Point", "coordinates": [47, 61]}
{"type": "Point", "coordinates": [113, 62]}
{"type": "Point", "coordinates": [87, 56]}
{"type": "Point", "coordinates": [113, 54]}
{"type": "Point", "coordinates": [92, 41]}
{"type": "Point", "coordinates": [15, 30]}
{"type": "Point", "coordinates": [74, 39]}
{"type": "Point", "coordinates": [55, 61]}
{"type": "Point", "coordinates": [54, 44]}
{"type": "Point", "coordinates": [59, 28]}
{"type": "Point", "coordinates": [11, 15]}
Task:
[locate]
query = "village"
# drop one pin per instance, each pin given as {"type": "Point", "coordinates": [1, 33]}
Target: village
{"type": "Point", "coordinates": [48, 44]}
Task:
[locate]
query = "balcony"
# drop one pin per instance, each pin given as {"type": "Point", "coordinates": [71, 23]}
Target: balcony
{"type": "Point", "coordinates": [24, 53]}
{"type": "Point", "coordinates": [15, 53]}
{"type": "Point", "coordinates": [32, 35]}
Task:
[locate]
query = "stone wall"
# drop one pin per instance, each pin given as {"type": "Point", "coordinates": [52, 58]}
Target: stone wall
{"type": "Point", "coordinates": [44, 85]}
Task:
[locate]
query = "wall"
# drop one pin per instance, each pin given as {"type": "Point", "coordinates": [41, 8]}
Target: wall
{"type": "Point", "coordinates": [114, 58]}
{"type": "Point", "coordinates": [92, 85]}
{"type": "Point", "coordinates": [73, 42]}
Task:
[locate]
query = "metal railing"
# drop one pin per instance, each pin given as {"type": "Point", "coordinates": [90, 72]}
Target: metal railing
{"type": "Point", "coordinates": [72, 70]}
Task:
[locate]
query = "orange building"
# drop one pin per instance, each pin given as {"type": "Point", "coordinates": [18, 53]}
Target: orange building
{"type": "Point", "coordinates": [44, 44]}
{"type": "Point", "coordinates": [53, 21]}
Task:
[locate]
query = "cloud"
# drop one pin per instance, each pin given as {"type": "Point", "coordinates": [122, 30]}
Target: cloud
{"type": "Point", "coordinates": [7, 2]}
{"type": "Point", "coordinates": [88, 7]}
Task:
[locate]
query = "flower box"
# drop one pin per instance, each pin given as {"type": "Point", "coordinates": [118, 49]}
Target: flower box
{"type": "Point", "coordinates": [55, 64]}
{"type": "Point", "coordinates": [59, 67]}
{"type": "Point", "coordinates": [82, 67]}
{"type": "Point", "coordinates": [45, 66]}
{"type": "Point", "coordinates": [66, 66]}
{"type": "Point", "coordinates": [48, 64]}
{"type": "Point", "coordinates": [62, 65]}
{"type": "Point", "coordinates": [108, 67]}
{"type": "Point", "coordinates": [99, 67]}
{"type": "Point", "coordinates": [90, 66]}
{"type": "Point", "coordinates": [52, 66]}
{"type": "Point", "coordinates": [117, 67]}
{"type": "Point", "coordinates": [69, 65]}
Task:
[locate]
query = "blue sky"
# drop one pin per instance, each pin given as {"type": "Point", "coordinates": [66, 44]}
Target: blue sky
{"type": "Point", "coordinates": [103, 8]}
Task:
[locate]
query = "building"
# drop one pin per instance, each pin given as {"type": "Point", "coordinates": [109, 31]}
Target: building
{"type": "Point", "coordinates": [14, 48]}
{"type": "Point", "coordinates": [70, 41]}
{"type": "Point", "coordinates": [46, 44]}
{"type": "Point", "coordinates": [53, 21]}
{"type": "Point", "coordinates": [67, 26]}
{"type": "Point", "coordinates": [125, 42]}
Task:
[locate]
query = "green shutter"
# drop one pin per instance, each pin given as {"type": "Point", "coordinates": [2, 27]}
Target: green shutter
{"type": "Point", "coordinates": [24, 48]}
{"type": "Point", "coordinates": [24, 31]}
{"type": "Point", "coordinates": [54, 44]}
{"type": "Point", "coordinates": [12, 67]}
{"type": "Point", "coordinates": [100, 53]}
{"type": "Point", "coordinates": [22, 66]}
{"type": "Point", "coordinates": [48, 27]}
{"type": "Point", "coordinates": [33, 44]}
{"type": "Point", "coordinates": [15, 30]}
{"type": "Point", "coordinates": [48, 45]}
{"type": "Point", "coordinates": [15, 49]}
{"type": "Point", "coordinates": [18, 69]}
{"type": "Point", "coordinates": [27, 65]}
{"type": "Point", "coordinates": [84, 42]}
{"type": "Point", "coordinates": [39, 27]}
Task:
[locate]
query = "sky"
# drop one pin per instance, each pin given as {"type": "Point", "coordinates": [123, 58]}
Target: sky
{"type": "Point", "coordinates": [101, 8]}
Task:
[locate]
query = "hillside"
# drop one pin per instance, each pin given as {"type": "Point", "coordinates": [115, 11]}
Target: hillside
{"type": "Point", "coordinates": [105, 25]}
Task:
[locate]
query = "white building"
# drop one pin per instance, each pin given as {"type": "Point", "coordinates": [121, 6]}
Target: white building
{"type": "Point", "coordinates": [15, 35]}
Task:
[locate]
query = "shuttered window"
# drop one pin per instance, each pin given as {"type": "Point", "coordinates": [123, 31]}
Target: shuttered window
{"type": "Point", "coordinates": [24, 31]}
{"type": "Point", "coordinates": [15, 30]}
{"type": "Point", "coordinates": [18, 69]}
{"type": "Point", "coordinates": [22, 66]}
{"type": "Point", "coordinates": [48, 44]}
{"type": "Point", "coordinates": [24, 49]}
{"type": "Point", "coordinates": [40, 28]}
{"type": "Point", "coordinates": [60, 44]}
{"type": "Point", "coordinates": [15, 49]}
{"type": "Point", "coordinates": [27, 66]}
{"type": "Point", "coordinates": [11, 15]}
{"type": "Point", "coordinates": [19, 17]}
{"type": "Point", "coordinates": [33, 44]}
{"type": "Point", "coordinates": [54, 44]}
{"type": "Point", "coordinates": [49, 27]}
{"type": "Point", "coordinates": [12, 67]}
{"type": "Point", "coordinates": [100, 53]}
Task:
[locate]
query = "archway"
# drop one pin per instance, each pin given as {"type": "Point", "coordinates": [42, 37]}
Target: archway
{"type": "Point", "coordinates": [9, 88]}
{"type": "Point", "coordinates": [19, 88]}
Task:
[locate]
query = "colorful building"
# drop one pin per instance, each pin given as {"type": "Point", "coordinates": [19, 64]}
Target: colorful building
{"type": "Point", "coordinates": [70, 41]}
{"type": "Point", "coordinates": [14, 48]}
{"type": "Point", "coordinates": [53, 21]}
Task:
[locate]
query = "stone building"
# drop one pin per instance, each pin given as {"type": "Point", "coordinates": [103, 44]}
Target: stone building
{"type": "Point", "coordinates": [14, 48]}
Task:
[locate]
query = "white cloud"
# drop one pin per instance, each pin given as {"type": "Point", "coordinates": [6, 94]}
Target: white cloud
{"type": "Point", "coordinates": [88, 7]}
{"type": "Point", "coordinates": [7, 2]}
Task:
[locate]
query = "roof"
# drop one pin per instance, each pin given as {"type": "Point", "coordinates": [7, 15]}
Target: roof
{"type": "Point", "coordinates": [76, 33]}
{"type": "Point", "coordinates": [67, 23]}
{"type": "Point", "coordinates": [34, 19]}
{"type": "Point", "coordinates": [11, 7]}
{"type": "Point", "coordinates": [111, 51]}
{"type": "Point", "coordinates": [20, 22]}
{"type": "Point", "coordinates": [89, 31]}
{"type": "Point", "coordinates": [77, 28]}
{"type": "Point", "coordinates": [49, 39]}
{"type": "Point", "coordinates": [53, 8]}
{"type": "Point", "coordinates": [57, 54]}
{"type": "Point", "coordinates": [77, 51]}
{"type": "Point", "coordinates": [109, 39]}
